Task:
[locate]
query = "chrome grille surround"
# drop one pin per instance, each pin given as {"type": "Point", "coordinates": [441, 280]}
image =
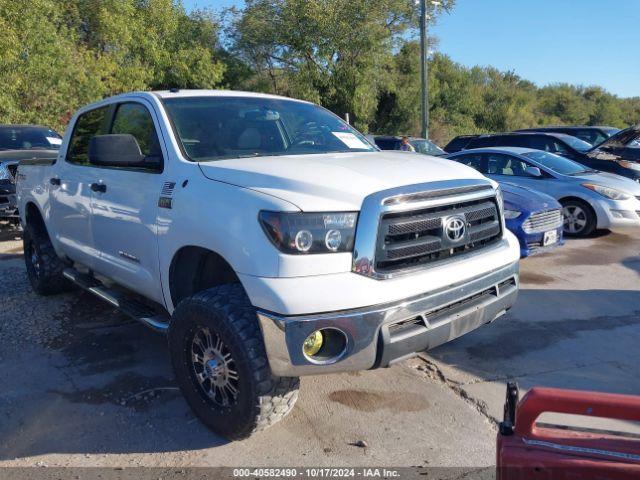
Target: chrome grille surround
{"type": "Point", "coordinates": [402, 230]}
{"type": "Point", "coordinates": [543, 221]}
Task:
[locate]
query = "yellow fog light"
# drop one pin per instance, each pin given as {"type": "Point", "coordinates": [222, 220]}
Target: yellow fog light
{"type": "Point", "coordinates": [313, 343]}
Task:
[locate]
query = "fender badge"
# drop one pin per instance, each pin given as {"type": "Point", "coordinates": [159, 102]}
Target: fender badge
{"type": "Point", "coordinates": [165, 202]}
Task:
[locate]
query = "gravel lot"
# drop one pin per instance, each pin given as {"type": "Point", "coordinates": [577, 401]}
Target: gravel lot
{"type": "Point", "coordinates": [85, 386]}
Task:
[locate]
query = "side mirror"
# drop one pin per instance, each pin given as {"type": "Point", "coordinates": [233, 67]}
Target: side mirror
{"type": "Point", "coordinates": [533, 172]}
{"type": "Point", "coordinates": [115, 150]}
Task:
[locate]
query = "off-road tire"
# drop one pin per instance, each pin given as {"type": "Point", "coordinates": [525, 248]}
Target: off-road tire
{"type": "Point", "coordinates": [589, 215]}
{"type": "Point", "coordinates": [263, 398]}
{"type": "Point", "coordinates": [45, 273]}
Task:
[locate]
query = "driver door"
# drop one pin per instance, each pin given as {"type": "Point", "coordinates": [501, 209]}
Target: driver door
{"type": "Point", "coordinates": [124, 220]}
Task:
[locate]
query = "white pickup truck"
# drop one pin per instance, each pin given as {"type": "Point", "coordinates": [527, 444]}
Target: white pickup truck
{"type": "Point", "coordinates": [267, 238]}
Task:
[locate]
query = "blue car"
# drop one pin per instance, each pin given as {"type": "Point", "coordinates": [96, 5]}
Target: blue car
{"type": "Point", "coordinates": [535, 218]}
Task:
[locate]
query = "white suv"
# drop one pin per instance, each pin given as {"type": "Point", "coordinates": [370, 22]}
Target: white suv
{"type": "Point", "coordinates": [268, 238]}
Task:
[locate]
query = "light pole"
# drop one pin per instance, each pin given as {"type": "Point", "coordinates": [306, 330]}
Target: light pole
{"type": "Point", "coordinates": [424, 68]}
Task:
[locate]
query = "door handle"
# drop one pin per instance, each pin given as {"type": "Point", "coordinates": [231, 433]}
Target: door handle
{"type": "Point", "coordinates": [55, 181]}
{"type": "Point", "coordinates": [98, 187]}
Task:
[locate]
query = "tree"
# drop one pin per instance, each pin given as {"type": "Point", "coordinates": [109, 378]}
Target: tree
{"type": "Point", "coordinates": [335, 52]}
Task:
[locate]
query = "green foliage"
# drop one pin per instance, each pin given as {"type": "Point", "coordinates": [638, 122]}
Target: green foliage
{"type": "Point", "coordinates": [479, 100]}
{"type": "Point", "coordinates": [355, 56]}
{"type": "Point", "coordinates": [335, 52]}
{"type": "Point", "coordinates": [56, 56]}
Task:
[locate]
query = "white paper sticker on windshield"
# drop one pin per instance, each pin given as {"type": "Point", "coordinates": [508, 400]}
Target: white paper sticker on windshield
{"type": "Point", "coordinates": [54, 140]}
{"type": "Point", "coordinates": [350, 140]}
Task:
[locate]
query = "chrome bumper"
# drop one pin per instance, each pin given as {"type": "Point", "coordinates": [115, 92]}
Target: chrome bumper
{"type": "Point", "coordinates": [380, 335]}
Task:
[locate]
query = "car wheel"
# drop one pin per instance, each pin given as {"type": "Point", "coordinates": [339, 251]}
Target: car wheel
{"type": "Point", "coordinates": [221, 366]}
{"type": "Point", "coordinates": [579, 218]}
{"type": "Point", "coordinates": [44, 267]}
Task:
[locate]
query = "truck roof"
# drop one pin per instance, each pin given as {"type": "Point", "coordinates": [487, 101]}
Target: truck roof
{"type": "Point", "coordinates": [173, 93]}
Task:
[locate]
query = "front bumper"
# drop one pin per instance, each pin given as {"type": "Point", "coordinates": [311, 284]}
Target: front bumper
{"type": "Point", "coordinates": [533, 243]}
{"type": "Point", "coordinates": [617, 215]}
{"type": "Point", "coordinates": [380, 335]}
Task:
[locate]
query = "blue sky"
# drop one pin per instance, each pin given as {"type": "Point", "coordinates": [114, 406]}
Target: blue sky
{"type": "Point", "coordinates": [583, 42]}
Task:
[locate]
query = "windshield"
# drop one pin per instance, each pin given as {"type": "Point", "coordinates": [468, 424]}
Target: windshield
{"type": "Point", "coordinates": [27, 138]}
{"type": "Point", "coordinates": [577, 144]}
{"type": "Point", "coordinates": [556, 163]}
{"type": "Point", "coordinates": [427, 147]}
{"type": "Point", "coordinates": [216, 128]}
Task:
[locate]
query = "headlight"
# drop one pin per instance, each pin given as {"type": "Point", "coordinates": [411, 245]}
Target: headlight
{"type": "Point", "coordinates": [511, 214]}
{"type": "Point", "coordinates": [500, 199]}
{"type": "Point", "coordinates": [305, 233]}
{"type": "Point", "coordinates": [4, 172]}
{"type": "Point", "coordinates": [610, 193]}
{"type": "Point", "coordinates": [627, 164]}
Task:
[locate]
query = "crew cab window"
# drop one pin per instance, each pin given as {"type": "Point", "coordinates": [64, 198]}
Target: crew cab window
{"type": "Point", "coordinates": [135, 119]}
{"type": "Point", "coordinates": [89, 124]}
{"type": "Point", "coordinates": [499, 164]}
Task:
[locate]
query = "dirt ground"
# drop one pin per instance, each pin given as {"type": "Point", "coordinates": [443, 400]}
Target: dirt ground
{"type": "Point", "coordinates": [83, 385]}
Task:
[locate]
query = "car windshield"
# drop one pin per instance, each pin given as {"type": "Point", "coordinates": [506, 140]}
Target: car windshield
{"type": "Point", "coordinates": [557, 163]}
{"type": "Point", "coordinates": [217, 128]}
{"type": "Point", "coordinates": [27, 138]}
{"type": "Point", "coordinates": [577, 144]}
{"type": "Point", "coordinates": [427, 147]}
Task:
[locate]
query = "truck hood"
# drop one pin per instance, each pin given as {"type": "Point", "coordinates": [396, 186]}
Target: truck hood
{"type": "Point", "coordinates": [336, 181]}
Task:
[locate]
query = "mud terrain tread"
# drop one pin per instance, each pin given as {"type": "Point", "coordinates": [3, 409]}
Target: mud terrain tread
{"type": "Point", "coordinates": [272, 397]}
{"type": "Point", "coordinates": [50, 281]}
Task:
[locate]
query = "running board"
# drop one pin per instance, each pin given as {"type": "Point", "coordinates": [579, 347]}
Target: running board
{"type": "Point", "coordinates": [132, 308]}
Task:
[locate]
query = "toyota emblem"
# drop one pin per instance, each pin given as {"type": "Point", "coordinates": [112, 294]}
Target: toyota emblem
{"type": "Point", "coordinates": [454, 228]}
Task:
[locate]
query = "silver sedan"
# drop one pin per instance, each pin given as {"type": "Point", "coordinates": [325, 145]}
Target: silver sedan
{"type": "Point", "coordinates": [590, 199]}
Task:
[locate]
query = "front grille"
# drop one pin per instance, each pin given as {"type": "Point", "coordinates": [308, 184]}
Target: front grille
{"type": "Point", "coordinates": [543, 221]}
{"type": "Point", "coordinates": [418, 237]}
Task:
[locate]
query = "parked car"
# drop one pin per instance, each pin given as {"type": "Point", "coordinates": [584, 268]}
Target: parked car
{"type": "Point", "coordinates": [421, 145]}
{"type": "Point", "coordinates": [589, 199]}
{"type": "Point", "coordinates": [534, 217]}
{"type": "Point", "coordinates": [610, 156]}
{"type": "Point", "coordinates": [18, 142]}
{"type": "Point", "coordinates": [267, 238]}
{"type": "Point", "coordinates": [459, 143]}
{"type": "Point", "coordinates": [594, 135]}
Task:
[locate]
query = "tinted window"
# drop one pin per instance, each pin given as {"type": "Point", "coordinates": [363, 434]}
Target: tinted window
{"type": "Point", "coordinates": [576, 143]}
{"type": "Point", "coordinates": [135, 119]}
{"type": "Point", "coordinates": [482, 142]}
{"type": "Point", "coordinates": [388, 143]}
{"type": "Point", "coordinates": [547, 144]}
{"type": "Point", "coordinates": [216, 128]}
{"type": "Point", "coordinates": [89, 124]}
{"type": "Point", "coordinates": [27, 138]}
{"type": "Point", "coordinates": [499, 164]}
{"type": "Point", "coordinates": [591, 136]}
{"type": "Point", "coordinates": [458, 143]}
{"type": "Point", "coordinates": [473, 160]}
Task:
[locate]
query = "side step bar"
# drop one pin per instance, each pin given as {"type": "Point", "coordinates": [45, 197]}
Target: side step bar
{"type": "Point", "coordinates": [132, 308]}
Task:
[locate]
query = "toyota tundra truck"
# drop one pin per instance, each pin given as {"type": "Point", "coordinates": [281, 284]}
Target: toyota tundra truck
{"type": "Point", "coordinates": [267, 238]}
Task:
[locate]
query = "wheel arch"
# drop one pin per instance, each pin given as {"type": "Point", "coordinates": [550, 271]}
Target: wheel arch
{"type": "Point", "coordinates": [34, 217]}
{"type": "Point", "coordinates": [194, 269]}
{"type": "Point", "coordinates": [581, 200]}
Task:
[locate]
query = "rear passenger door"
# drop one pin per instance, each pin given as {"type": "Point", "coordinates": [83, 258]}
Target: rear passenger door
{"type": "Point", "coordinates": [70, 189]}
{"type": "Point", "coordinates": [124, 221]}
